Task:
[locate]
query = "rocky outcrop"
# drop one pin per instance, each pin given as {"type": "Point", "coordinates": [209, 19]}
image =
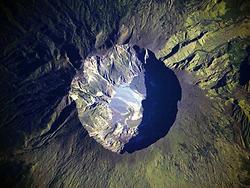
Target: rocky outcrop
{"type": "Point", "coordinates": [124, 96]}
{"type": "Point", "coordinates": [108, 92]}
{"type": "Point", "coordinates": [211, 49]}
{"type": "Point", "coordinates": [214, 47]}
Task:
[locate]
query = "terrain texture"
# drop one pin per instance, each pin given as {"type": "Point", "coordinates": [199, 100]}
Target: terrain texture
{"type": "Point", "coordinates": [108, 93]}
{"type": "Point", "coordinates": [205, 48]}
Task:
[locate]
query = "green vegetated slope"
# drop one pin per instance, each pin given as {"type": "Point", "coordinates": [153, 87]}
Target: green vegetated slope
{"type": "Point", "coordinates": [214, 46]}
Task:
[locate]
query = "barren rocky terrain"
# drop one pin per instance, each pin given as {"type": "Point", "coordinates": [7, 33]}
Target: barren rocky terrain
{"type": "Point", "coordinates": [203, 45]}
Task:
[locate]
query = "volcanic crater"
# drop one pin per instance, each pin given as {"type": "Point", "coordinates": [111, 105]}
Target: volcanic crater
{"type": "Point", "coordinates": [126, 99]}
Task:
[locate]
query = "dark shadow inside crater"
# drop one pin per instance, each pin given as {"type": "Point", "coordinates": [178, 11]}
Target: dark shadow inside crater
{"type": "Point", "coordinates": [245, 69]}
{"type": "Point", "coordinates": [160, 105]}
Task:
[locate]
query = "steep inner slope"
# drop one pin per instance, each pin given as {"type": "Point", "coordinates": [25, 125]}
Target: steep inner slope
{"type": "Point", "coordinates": [123, 97]}
{"type": "Point", "coordinates": [109, 92]}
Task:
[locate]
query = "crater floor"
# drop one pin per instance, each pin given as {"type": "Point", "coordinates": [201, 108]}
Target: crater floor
{"type": "Point", "coordinates": [121, 98]}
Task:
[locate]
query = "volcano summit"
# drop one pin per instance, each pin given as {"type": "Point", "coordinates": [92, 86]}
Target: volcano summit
{"type": "Point", "coordinates": [113, 93]}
